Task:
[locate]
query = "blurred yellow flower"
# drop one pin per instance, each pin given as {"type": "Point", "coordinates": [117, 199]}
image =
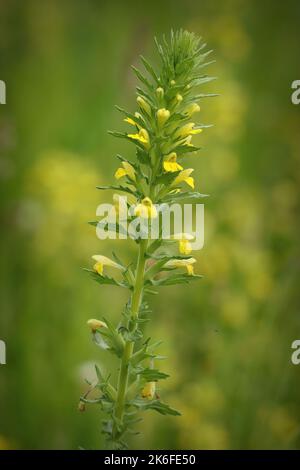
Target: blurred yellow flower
{"type": "Point", "coordinates": [142, 137]}
{"type": "Point", "coordinates": [162, 116]}
{"type": "Point", "coordinates": [102, 261]}
{"type": "Point", "coordinates": [184, 177]}
{"type": "Point", "coordinates": [186, 130]}
{"type": "Point", "coordinates": [127, 170]}
{"type": "Point", "coordinates": [149, 390]}
{"type": "Point", "coordinates": [144, 105]}
{"type": "Point", "coordinates": [96, 324]}
{"type": "Point", "coordinates": [130, 121]}
{"type": "Point", "coordinates": [192, 109]}
{"type": "Point", "coordinates": [184, 241]}
{"type": "Point", "coordinates": [182, 263]}
{"type": "Point", "coordinates": [146, 209]}
{"type": "Point", "coordinates": [170, 163]}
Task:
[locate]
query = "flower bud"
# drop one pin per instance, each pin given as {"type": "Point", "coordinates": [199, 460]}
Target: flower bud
{"type": "Point", "coordinates": [179, 98]}
{"type": "Point", "coordinates": [144, 137]}
{"type": "Point", "coordinates": [143, 105]}
{"type": "Point", "coordinates": [172, 82]}
{"type": "Point", "coordinates": [162, 116]}
{"type": "Point", "coordinates": [96, 324]}
{"type": "Point", "coordinates": [192, 108]}
{"type": "Point", "coordinates": [146, 209]}
{"type": "Point", "coordinates": [160, 92]}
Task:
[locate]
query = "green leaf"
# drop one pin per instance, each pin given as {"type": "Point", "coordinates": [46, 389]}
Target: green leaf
{"type": "Point", "coordinates": [181, 150]}
{"type": "Point", "coordinates": [174, 279]}
{"type": "Point", "coordinates": [99, 375]}
{"type": "Point", "coordinates": [166, 178]}
{"type": "Point", "coordinates": [204, 95]}
{"type": "Point", "coordinates": [150, 69]}
{"type": "Point", "coordinates": [142, 78]}
{"type": "Point", "coordinates": [105, 279]}
{"type": "Point", "coordinates": [135, 118]}
{"type": "Point", "coordinates": [123, 189]}
{"type": "Point", "coordinates": [142, 156]}
{"type": "Point", "coordinates": [153, 375]}
{"type": "Point", "coordinates": [112, 228]}
{"type": "Point", "coordinates": [202, 80]}
{"type": "Point", "coordinates": [115, 340]}
{"type": "Point", "coordinates": [184, 196]}
{"type": "Point", "coordinates": [123, 135]}
{"type": "Point", "coordinates": [156, 405]}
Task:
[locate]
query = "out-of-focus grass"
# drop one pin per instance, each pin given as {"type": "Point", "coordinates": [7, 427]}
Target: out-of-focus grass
{"type": "Point", "coordinates": [227, 340]}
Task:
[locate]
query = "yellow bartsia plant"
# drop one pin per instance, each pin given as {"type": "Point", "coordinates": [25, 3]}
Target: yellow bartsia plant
{"type": "Point", "coordinates": [163, 135]}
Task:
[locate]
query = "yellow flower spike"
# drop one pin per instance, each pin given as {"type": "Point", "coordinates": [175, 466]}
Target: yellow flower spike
{"type": "Point", "coordinates": [162, 116]}
{"type": "Point", "coordinates": [102, 261]}
{"type": "Point", "coordinates": [160, 92]}
{"type": "Point", "coordinates": [145, 209]}
{"type": "Point", "coordinates": [179, 98]}
{"type": "Point", "coordinates": [127, 170]}
{"type": "Point", "coordinates": [170, 164]}
{"type": "Point", "coordinates": [182, 263]}
{"type": "Point", "coordinates": [149, 390]}
{"type": "Point", "coordinates": [192, 109]}
{"type": "Point", "coordinates": [143, 105]}
{"type": "Point", "coordinates": [130, 121]}
{"type": "Point", "coordinates": [184, 177]}
{"type": "Point", "coordinates": [96, 324]}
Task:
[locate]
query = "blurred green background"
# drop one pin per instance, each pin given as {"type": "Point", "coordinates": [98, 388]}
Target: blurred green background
{"type": "Point", "coordinates": [228, 338]}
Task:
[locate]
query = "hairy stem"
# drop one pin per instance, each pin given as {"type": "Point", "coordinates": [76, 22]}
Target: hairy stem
{"type": "Point", "coordinates": [128, 349]}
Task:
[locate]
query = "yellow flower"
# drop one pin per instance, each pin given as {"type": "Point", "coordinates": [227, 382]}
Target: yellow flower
{"type": "Point", "coordinates": [149, 390]}
{"type": "Point", "coordinates": [142, 137]}
{"type": "Point", "coordinates": [179, 98]}
{"type": "Point", "coordinates": [186, 130]}
{"type": "Point", "coordinates": [143, 105]}
{"type": "Point", "coordinates": [96, 324]}
{"type": "Point", "coordinates": [170, 164]}
{"type": "Point", "coordinates": [162, 116]}
{"type": "Point", "coordinates": [127, 170]}
{"type": "Point", "coordinates": [146, 209]}
{"type": "Point", "coordinates": [188, 141]}
{"type": "Point", "coordinates": [192, 109]}
{"type": "Point", "coordinates": [185, 247]}
{"type": "Point", "coordinates": [182, 263]}
{"type": "Point", "coordinates": [184, 177]}
{"type": "Point", "coordinates": [130, 121]}
{"type": "Point", "coordinates": [102, 261]}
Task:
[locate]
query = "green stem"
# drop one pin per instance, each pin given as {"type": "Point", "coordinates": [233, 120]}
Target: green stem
{"type": "Point", "coordinates": [128, 349]}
